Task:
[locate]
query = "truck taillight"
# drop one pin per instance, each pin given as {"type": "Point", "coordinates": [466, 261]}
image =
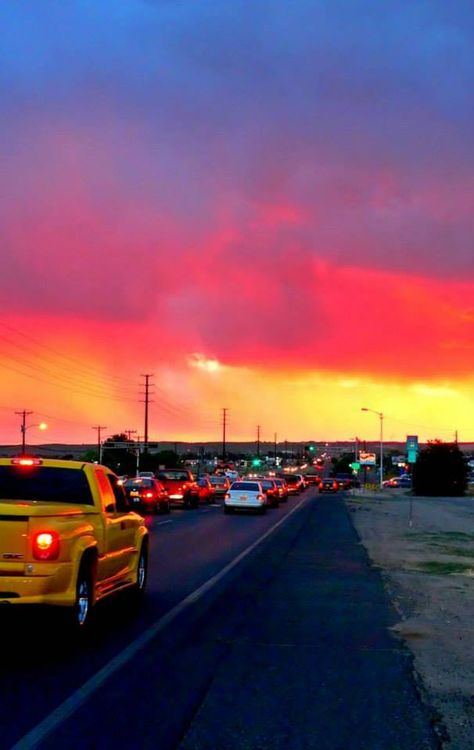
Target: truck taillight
{"type": "Point", "coordinates": [26, 461]}
{"type": "Point", "coordinates": [46, 545]}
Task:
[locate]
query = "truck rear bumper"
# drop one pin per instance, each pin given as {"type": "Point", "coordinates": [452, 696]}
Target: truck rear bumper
{"type": "Point", "coordinates": [53, 586]}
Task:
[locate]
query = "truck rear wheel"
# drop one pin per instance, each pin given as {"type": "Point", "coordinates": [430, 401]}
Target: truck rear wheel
{"type": "Point", "coordinates": [80, 613]}
{"type": "Point", "coordinates": [142, 570]}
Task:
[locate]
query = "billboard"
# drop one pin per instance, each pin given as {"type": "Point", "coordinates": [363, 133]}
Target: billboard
{"type": "Point", "coordinates": [367, 459]}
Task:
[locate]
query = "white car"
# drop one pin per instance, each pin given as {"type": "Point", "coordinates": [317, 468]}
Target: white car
{"type": "Point", "coordinates": [248, 495]}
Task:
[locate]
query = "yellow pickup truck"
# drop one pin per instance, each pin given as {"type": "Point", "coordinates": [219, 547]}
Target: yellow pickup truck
{"type": "Point", "coordinates": [67, 536]}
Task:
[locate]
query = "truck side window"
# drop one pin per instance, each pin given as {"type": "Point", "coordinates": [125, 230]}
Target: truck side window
{"type": "Point", "coordinates": [121, 500]}
{"type": "Point", "coordinates": [106, 493]}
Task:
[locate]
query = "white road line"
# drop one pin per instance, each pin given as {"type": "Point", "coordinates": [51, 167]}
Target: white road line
{"type": "Point", "coordinates": [162, 523]}
{"type": "Point", "coordinates": [72, 704]}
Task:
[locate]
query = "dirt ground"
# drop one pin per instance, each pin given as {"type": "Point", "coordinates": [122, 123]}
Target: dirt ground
{"type": "Point", "coordinates": [425, 549]}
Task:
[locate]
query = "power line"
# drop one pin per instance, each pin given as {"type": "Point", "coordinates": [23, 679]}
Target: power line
{"type": "Point", "coordinates": [79, 364]}
{"type": "Point", "coordinates": [65, 376]}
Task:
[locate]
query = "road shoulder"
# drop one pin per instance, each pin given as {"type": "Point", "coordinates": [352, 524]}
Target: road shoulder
{"type": "Point", "coordinates": [425, 550]}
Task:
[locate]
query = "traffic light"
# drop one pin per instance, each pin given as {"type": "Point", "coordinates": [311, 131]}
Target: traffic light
{"type": "Point", "coordinates": [256, 462]}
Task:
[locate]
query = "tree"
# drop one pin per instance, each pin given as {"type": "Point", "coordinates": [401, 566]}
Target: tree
{"type": "Point", "coordinates": [440, 470]}
{"type": "Point", "coordinates": [341, 464]}
{"type": "Point", "coordinates": [89, 456]}
{"type": "Point", "coordinates": [152, 461]}
{"type": "Point", "coordinates": [121, 460]}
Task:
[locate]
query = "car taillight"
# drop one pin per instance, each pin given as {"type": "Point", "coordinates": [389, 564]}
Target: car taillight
{"type": "Point", "coordinates": [46, 545]}
{"type": "Point", "coordinates": [148, 494]}
{"type": "Point", "coordinates": [335, 485]}
{"type": "Point", "coordinates": [260, 497]}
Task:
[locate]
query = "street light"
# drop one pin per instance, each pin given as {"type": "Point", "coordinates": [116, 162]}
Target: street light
{"type": "Point", "coordinates": [380, 416]}
{"type": "Point", "coordinates": [24, 427]}
{"type": "Point", "coordinates": [356, 448]}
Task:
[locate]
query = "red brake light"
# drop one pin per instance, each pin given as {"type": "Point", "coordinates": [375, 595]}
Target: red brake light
{"type": "Point", "coordinates": [24, 461]}
{"type": "Point", "coordinates": [149, 494]}
{"type": "Point", "coordinates": [260, 497]}
{"type": "Point", "coordinates": [46, 545]}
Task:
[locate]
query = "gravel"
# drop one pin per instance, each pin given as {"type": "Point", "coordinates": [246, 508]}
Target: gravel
{"type": "Point", "coordinates": [425, 549]}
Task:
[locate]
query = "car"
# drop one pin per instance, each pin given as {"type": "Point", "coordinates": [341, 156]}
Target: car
{"type": "Point", "coordinates": [312, 479]}
{"type": "Point", "coordinates": [404, 481]}
{"type": "Point", "coordinates": [271, 491]}
{"type": "Point", "coordinates": [68, 536]}
{"type": "Point", "coordinates": [147, 494]}
{"type": "Point", "coordinates": [232, 475]}
{"type": "Point", "coordinates": [328, 484]}
{"type": "Point", "coordinates": [294, 483]}
{"type": "Point", "coordinates": [221, 484]}
{"type": "Point", "coordinates": [206, 490]}
{"type": "Point", "coordinates": [345, 481]}
{"type": "Point", "coordinates": [181, 486]}
{"type": "Point", "coordinates": [148, 474]}
{"type": "Point", "coordinates": [282, 488]}
{"type": "Point", "coordinates": [245, 495]}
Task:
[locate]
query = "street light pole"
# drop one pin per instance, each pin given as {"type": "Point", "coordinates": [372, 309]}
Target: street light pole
{"type": "Point", "coordinates": [356, 448]}
{"type": "Point", "coordinates": [380, 416]}
{"type": "Point", "coordinates": [24, 427]}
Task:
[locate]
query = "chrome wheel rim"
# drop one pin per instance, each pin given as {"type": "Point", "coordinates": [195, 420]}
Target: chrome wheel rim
{"type": "Point", "coordinates": [82, 602]}
{"type": "Point", "coordinates": [141, 572]}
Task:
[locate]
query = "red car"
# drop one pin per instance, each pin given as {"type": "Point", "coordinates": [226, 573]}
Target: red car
{"type": "Point", "coordinates": [147, 494]}
{"type": "Point", "coordinates": [206, 491]}
{"type": "Point", "coordinates": [181, 486]}
{"type": "Point", "coordinates": [282, 488]}
{"type": "Point", "coordinates": [270, 489]}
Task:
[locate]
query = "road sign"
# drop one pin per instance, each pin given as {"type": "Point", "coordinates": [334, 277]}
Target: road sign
{"type": "Point", "coordinates": [412, 442]}
{"type": "Point", "coordinates": [367, 459]}
{"type": "Point", "coordinates": [412, 448]}
{"type": "Point", "coordinates": [398, 460]}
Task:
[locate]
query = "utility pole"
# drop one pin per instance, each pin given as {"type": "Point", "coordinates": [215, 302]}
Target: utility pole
{"type": "Point", "coordinates": [137, 454]}
{"type": "Point", "coordinates": [147, 377]}
{"type": "Point", "coordinates": [456, 437]}
{"type": "Point", "coordinates": [275, 447]}
{"type": "Point", "coordinates": [224, 426]}
{"type": "Point", "coordinates": [99, 429]}
{"type": "Point", "coordinates": [258, 441]}
{"type": "Point", "coordinates": [23, 414]}
{"type": "Point", "coordinates": [129, 434]}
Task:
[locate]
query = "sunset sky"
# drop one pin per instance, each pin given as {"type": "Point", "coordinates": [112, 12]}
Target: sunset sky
{"type": "Point", "coordinates": [268, 205]}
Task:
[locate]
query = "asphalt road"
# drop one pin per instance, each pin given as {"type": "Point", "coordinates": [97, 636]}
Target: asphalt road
{"type": "Point", "coordinates": [289, 649]}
